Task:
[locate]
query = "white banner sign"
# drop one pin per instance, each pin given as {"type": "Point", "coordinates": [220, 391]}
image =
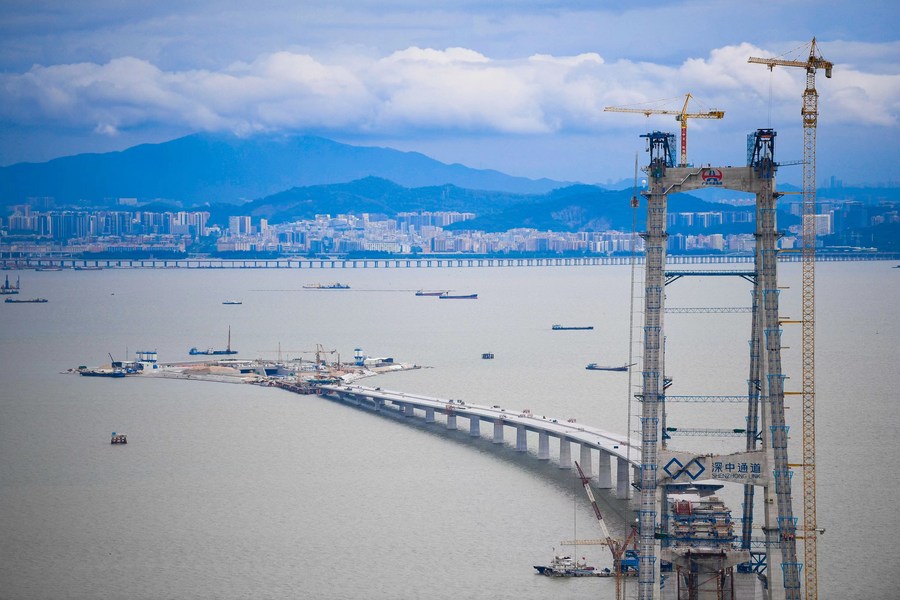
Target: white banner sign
{"type": "Point", "coordinates": [741, 467]}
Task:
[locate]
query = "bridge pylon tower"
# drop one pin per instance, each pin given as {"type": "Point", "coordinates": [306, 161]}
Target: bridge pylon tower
{"type": "Point", "coordinates": [766, 436]}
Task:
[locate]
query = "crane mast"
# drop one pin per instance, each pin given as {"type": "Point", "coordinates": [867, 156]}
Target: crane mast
{"type": "Point", "coordinates": [809, 112]}
{"type": "Point", "coordinates": [616, 547]}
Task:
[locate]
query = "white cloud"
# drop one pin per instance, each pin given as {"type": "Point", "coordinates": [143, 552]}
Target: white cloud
{"type": "Point", "coordinates": [456, 89]}
{"type": "Point", "coordinates": [419, 93]}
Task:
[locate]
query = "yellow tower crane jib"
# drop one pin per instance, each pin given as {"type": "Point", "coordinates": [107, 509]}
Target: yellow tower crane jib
{"type": "Point", "coordinates": [681, 116]}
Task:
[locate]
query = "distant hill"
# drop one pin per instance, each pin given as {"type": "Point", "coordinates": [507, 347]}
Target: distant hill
{"type": "Point", "coordinates": [376, 196]}
{"type": "Point", "coordinates": [206, 168]}
{"type": "Point", "coordinates": [572, 208]}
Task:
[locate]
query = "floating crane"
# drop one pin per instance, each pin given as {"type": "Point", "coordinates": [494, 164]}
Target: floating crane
{"type": "Point", "coordinates": [681, 116]}
{"type": "Point", "coordinates": [810, 113]}
{"type": "Point", "coordinates": [617, 547]}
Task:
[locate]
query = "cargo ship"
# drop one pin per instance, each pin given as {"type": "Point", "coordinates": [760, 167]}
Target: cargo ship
{"type": "Point", "coordinates": [114, 372]}
{"type": "Point", "coordinates": [326, 286]}
{"type": "Point", "coordinates": [596, 367]}
{"type": "Point", "coordinates": [431, 293]}
{"type": "Point", "coordinates": [449, 296]}
{"type": "Point", "coordinates": [25, 301]}
{"type": "Point", "coordinates": [571, 327]}
{"type": "Point", "coordinates": [211, 352]}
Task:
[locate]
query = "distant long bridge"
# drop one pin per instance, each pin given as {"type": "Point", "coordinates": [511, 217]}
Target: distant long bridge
{"type": "Point", "coordinates": [456, 261]}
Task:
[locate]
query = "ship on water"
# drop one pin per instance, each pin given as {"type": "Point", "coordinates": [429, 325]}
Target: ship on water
{"type": "Point", "coordinates": [25, 300]}
{"type": "Point", "coordinates": [8, 288]}
{"type": "Point", "coordinates": [431, 292]}
{"type": "Point", "coordinates": [559, 327]}
{"type": "Point", "coordinates": [598, 367]}
{"type": "Point", "coordinates": [211, 352]}
{"type": "Point", "coordinates": [326, 286]}
{"type": "Point", "coordinates": [449, 296]}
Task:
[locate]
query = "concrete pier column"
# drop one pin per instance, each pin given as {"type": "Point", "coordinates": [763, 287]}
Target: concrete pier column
{"type": "Point", "coordinates": [622, 480]}
{"type": "Point", "coordinates": [451, 421]}
{"type": "Point", "coordinates": [521, 439]}
{"type": "Point", "coordinates": [585, 461]}
{"type": "Point", "coordinates": [543, 445]}
{"type": "Point", "coordinates": [409, 410]}
{"type": "Point", "coordinates": [429, 415]}
{"type": "Point", "coordinates": [379, 403]}
{"type": "Point", "coordinates": [498, 431]}
{"type": "Point", "coordinates": [565, 453]}
{"type": "Point", "coordinates": [604, 470]}
{"type": "Point", "coordinates": [474, 426]}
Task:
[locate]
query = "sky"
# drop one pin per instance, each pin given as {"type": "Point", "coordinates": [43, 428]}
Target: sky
{"type": "Point", "coordinates": [513, 85]}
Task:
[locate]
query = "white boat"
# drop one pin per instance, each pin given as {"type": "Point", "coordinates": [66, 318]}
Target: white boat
{"type": "Point", "coordinates": [566, 566]}
{"type": "Point", "coordinates": [232, 302]}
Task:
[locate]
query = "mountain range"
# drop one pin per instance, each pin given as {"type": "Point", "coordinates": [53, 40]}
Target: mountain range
{"type": "Point", "coordinates": [212, 169]}
{"type": "Point", "coordinates": [291, 177]}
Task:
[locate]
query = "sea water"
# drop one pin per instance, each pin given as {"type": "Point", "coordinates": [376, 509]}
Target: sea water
{"type": "Point", "coordinates": [240, 491]}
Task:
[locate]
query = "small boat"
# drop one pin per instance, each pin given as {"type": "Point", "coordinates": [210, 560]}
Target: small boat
{"type": "Point", "coordinates": [25, 301]}
{"type": "Point", "coordinates": [326, 286]}
{"type": "Point", "coordinates": [566, 566]}
{"type": "Point", "coordinates": [48, 268]}
{"type": "Point", "coordinates": [559, 327]}
{"type": "Point", "coordinates": [118, 438]}
{"type": "Point", "coordinates": [431, 292]}
{"type": "Point", "coordinates": [487, 355]}
{"type": "Point", "coordinates": [86, 268]}
{"type": "Point", "coordinates": [232, 302]}
{"type": "Point", "coordinates": [211, 352]}
{"type": "Point", "coordinates": [596, 367]}
{"type": "Point", "coordinates": [449, 296]}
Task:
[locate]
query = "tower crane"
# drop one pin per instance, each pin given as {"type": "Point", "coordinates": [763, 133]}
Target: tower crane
{"type": "Point", "coordinates": [617, 547]}
{"type": "Point", "coordinates": [810, 113]}
{"type": "Point", "coordinates": [681, 116]}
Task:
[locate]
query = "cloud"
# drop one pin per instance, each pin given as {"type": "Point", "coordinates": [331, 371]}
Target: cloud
{"type": "Point", "coordinates": [453, 91]}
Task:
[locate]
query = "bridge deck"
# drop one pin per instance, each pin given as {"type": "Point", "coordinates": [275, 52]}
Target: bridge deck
{"type": "Point", "coordinates": [594, 437]}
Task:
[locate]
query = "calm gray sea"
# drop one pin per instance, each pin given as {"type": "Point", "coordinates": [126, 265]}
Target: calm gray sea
{"type": "Point", "coordinates": [229, 491]}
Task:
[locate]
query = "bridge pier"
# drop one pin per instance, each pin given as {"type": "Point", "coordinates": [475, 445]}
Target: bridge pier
{"type": "Point", "coordinates": [585, 461]}
{"type": "Point", "coordinates": [604, 470]}
{"type": "Point", "coordinates": [543, 445]}
{"type": "Point", "coordinates": [622, 477]}
{"type": "Point", "coordinates": [565, 453]}
{"type": "Point", "coordinates": [429, 415]}
{"type": "Point", "coordinates": [474, 426]}
{"type": "Point", "coordinates": [521, 439]}
{"type": "Point", "coordinates": [451, 421]}
{"type": "Point", "coordinates": [498, 431]}
{"type": "Point", "coordinates": [408, 410]}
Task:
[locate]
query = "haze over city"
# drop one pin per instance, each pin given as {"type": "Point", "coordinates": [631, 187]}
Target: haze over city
{"type": "Point", "coordinates": [516, 87]}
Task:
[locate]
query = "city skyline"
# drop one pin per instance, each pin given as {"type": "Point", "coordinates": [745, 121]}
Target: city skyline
{"type": "Point", "coordinates": [519, 89]}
